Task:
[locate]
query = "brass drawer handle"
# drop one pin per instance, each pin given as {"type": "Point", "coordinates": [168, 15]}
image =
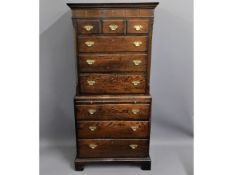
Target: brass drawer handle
{"type": "Point", "coordinates": [92, 146]}
{"type": "Point", "coordinates": [133, 146]}
{"type": "Point", "coordinates": [137, 43]}
{"type": "Point", "coordinates": [91, 82]}
{"type": "Point", "coordinates": [137, 62]}
{"type": "Point", "coordinates": [134, 128]}
{"type": "Point", "coordinates": [138, 27]}
{"type": "Point", "coordinates": [92, 128]}
{"type": "Point", "coordinates": [91, 111]}
{"type": "Point", "coordinates": [135, 111]}
{"type": "Point", "coordinates": [113, 27]}
{"type": "Point", "coordinates": [89, 43]}
{"type": "Point", "coordinates": [135, 83]}
{"type": "Point", "coordinates": [90, 62]}
{"type": "Point", "coordinates": [88, 27]}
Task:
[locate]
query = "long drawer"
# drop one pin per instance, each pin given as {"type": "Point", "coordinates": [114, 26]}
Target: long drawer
{"type": "Point", "coordinates": [112, 83]}
{"type": "Point", "coordinates": [95, 148]}
{"type": "Point", "coordinates": [112, 43]}
{"type": "Point", "coordinates": [113, 112]}
{"type": "Point", "coordinates": [112, 62]}
{"type": "Point", "coordinates": [113, 129]}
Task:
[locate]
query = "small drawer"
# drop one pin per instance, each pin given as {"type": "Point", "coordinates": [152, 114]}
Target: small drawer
{"type": "Point", "coordinates": [88, 26]}
{"type": "Point", "coordinates": [113, 26]}
{"type": "Point", "coordinates": [112, 43]}
{"type": "Point", "coordinates": [113, 112]}
{"type": "Point", "coordinates": [111, 148]}
{"type": "Point", "coordinates": [138, 26]}
{"type": "Point", "coordinates": [113, 129]}
{"type": "Point", "coordinates": [112, 62]}
{"type": "Point", "coordinates": [112, 83]}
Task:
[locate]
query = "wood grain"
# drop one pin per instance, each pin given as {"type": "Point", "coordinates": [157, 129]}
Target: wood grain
{"type": "Point", "coordinates": [112, 83]}
{"type": "Point", "coordinates": [94, 23]}
{"type": "Point", "coordinates": [112, 43]}
{"type": "Point", "coordinates": [93, 13]}
{"type": "Point", "coordinates": [113, 62]}
{"type": "Point", "coordinates": [106, 95]}
{"type": "Point", "coordinates": [113, 129]}
{"type": "Point", "coordinates": [113, 112]}
{"type": "Point", "coordinates": [135, 22]}
{"type": "Point", "coordinates": [120, 25]}
{"type": "Point", "coordinates": [113, 148]}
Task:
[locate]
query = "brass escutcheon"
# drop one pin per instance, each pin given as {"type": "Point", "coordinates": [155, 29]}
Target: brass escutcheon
{"type": "Point", "coordinates": [90, 62]}
{"type": "Point", "coordinates": [135, 111]}
{"type": "Point", "coordinates": [91, 111]}
{"type": "Point", "coordinates": [135, 83]}
{"type": "Point", "coordinates": [113, 27]}
{"type": "Point", "coordinates": [137, 43]}
{"type": "Point", "coordinates": [134, 128]}
{"type": "Point", "coordinates": [137, 62]}
{"type": "Point", "coordinates": [89, 43]}
{"type": "Point", "coordinates": [88, 27]}
{"type": "Point", "coordinates": [138, 27]}
{"type": "Point", "coordinates": [92, 128]}
{"type": "Point", "coordinates": [133, 146]}
{"type": "Point", "coordinates": [92, 146]}
{"type": "Point", "coordinates": [91, 82]}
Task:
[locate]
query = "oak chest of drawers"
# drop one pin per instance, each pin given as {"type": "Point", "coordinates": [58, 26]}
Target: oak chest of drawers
{"type": "Point", "coordinates": [112, 104]}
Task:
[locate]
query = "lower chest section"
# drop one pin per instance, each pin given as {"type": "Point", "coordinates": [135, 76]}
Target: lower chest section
{"type": "Point", "coordinates": [112, 126]}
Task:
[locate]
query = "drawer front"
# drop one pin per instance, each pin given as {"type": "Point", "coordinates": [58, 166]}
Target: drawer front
{"type": "Point", "coordinates": [113, 63]}
{"type": "Point", "coordinates": [113, 26]}
{"type": "Point", "coordinates": [138, 26]}
{"type": "Point", "coordinates": [88, 26]}
{"type": "Point", "coordinates": [112, 83]}
{"type": "Point", "coordinates": [113, 112]}
{"type": "Point", "coordinates": [91, 148]}
{"type": "Point", "coordinates": [112, 43]}
{"type": "Point", "coordinates": [113, 129]}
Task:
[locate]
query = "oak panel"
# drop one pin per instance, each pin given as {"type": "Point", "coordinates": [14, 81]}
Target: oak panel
{"type": "Point", "coordinates": [113, 129]}
{"type": "Point", "coordinates": [114, 26]}
{"type": "Point", "coordinates": [112, 83]}
{"type": "Point", "coordinates": [113, 62]}
{"type": "Point", "coordinates": [93, 13]}
{"type": "Point", "coordinates": [113, 148]}
{"type": "Point", "coordinates": [143, 25]}
{"type": "Point", "coordinates": [94, 24]}
{"type": "Point", "coordinates": [113, 112]}
{"type": "Point", "coordinates": [112, 43]}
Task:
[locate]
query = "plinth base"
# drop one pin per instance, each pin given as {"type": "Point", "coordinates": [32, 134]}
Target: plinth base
{"type": "Point", "coordinates": [145, 163]}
